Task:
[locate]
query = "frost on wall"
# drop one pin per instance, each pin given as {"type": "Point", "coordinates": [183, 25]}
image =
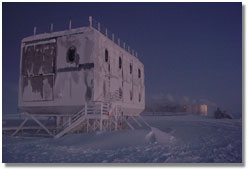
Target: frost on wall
{"type": "Point", "coordinates": [75, 69]}
{"type": "Point", "coordinates": [38, 65]}
{"type": "Point", "coordinates": [37, 88]}
{"type": "Point", "coordinates": [83, 46]}
{"type": "Point", "coordinates": [74, 87]}
{"type": "Point", "coordinates": [47, 88]}
{"type": "Point", "coordinates": [38, 59]}
{"type": "Point", "coordinates": [29, 94]}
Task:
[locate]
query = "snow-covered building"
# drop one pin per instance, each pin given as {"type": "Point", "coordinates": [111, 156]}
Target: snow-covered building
{"type": "Point", "coordinates": [80, 73]}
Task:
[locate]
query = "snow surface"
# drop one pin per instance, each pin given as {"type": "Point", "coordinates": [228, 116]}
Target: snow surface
{"type": "Point", "coordinates": [171, 139]}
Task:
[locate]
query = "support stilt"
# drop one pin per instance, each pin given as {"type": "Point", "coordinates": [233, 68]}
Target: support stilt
{"type": "Point", "coordinates": [87, 125]}
{"type": "Point", "coordinates": [126, 121]}
{"type": "Point", "coordinates": [39, 123]}
{"type": "Point", "coordinates": [138, 123]}
{"type": "Point", "coordinates": [144, 121]}
{"type": "Point", "coordinates": [44, 124]}
{"type": "Point", "coordinates": [20, 127]}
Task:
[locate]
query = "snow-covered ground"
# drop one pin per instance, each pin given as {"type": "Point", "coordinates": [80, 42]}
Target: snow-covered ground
{"type": "Point", "coordinates": [171, 139]}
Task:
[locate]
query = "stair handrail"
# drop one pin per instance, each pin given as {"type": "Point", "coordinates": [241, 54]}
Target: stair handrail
{"type": "Point", "coordinates": [76, 115]}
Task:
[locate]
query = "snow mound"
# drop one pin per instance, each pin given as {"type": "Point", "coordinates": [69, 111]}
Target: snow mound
{"type": "Point", "coordinates": [158, 136]}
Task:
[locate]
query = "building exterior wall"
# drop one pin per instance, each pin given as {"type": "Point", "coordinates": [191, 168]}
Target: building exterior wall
{"type": "Point", "coordinates": [68, 85]}
{"type": "Point", "coordinates": [118, 78]}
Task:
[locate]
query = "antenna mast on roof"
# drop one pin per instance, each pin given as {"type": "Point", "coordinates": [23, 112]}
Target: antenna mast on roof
{"type": "Point", "coordinates": [34, 30]}
{"type": "Point", "coordinates": [90, 21]}
{"type": "Point", "coordinates": [51, 27]}
{"type": "Point", "coordinates": [70, 24]}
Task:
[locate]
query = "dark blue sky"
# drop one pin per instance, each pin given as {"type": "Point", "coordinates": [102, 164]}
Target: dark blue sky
{"type": "Point", "coordinates": [188, 49]}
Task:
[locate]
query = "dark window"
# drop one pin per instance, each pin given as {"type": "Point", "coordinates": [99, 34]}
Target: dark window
{"type": "Point", "coordinates": [120, 62]}
{"type": "Point", "coordinates": [139, 97]}
{"type": "Point", "coordinates": [131, 95]}
{"type": "Point", "coordinates": [120, 93]}
{"type": "Point", "coordinates": [139, 73]}
{"type": "Point", "coordinates": [131, 68]}
{"type": "Point", "coordinates": [106, 55]}
{"type": "Point", "coordinates": [71, 54]}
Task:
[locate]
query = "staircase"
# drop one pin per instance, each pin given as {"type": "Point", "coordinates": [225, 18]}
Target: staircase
{"type": "Point", "coordinates": [76, 119]}
{"type": "Point", "coordinates": [90, 110]}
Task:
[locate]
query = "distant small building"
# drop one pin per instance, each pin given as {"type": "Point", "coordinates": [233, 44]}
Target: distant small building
{"type": "Point", "coordinates": [197, 109]}
{"type": "Point", "coordinates": [203, 109]}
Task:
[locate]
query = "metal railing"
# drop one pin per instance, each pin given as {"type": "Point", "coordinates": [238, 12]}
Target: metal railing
{"type": "Point", "coordinates": [93, 108]}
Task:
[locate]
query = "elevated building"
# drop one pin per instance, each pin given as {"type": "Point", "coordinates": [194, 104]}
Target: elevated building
{"type": "Point", "coordinates": [82, 78]}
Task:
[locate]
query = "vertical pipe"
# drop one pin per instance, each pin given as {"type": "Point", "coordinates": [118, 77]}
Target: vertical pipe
{"type": "Point", "coordinates": [99, 27]}
{"type": "Point", "coordinates": [106, 32]}
{"type": "Point", "coordinates": [119, 41]}
{"type": "Point", "coordinates": [69, 24]}
{"type": "Point", "coordinates": [51, 27]}
{"type": "Point", "coordinates": [34, 30]}
{"type": "Point", "coordinates": [90, 21]}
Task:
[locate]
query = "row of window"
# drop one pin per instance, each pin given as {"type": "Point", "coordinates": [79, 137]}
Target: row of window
{"type": "Point", "coordinates": [120, 63]}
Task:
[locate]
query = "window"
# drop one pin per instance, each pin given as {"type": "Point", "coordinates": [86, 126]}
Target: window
{"type": "Point", "coordinates": [139, 73]}
{"type": "Point", "coordinates": [139, 97]}
{"type": "Point", "coordinates": [131, 68]}
{"type": "Point", "coordinates": [120, 63]}
{"type": "Point", "coordinates": [131, 95]}
{"type": "Point", "coordinates": [71, 54]}
{"type": "Point", "coordinates": [120, 93]}
{"type": "Point", "coordinates": [106, 55]}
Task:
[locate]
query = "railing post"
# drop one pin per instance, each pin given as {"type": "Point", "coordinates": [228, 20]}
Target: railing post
{"type": "Point", "coordinates": [86, 113]}
{"type": "Point", "coordinates": [86, 109]}
{"type": "Point", "coordinates": [101, 109]}
{"type": "Point", "coordinates": [101, 116]}
{"type": "Point", "coordinates": [115, 118]}
{"type": "Point", "coordinates": [69, 120]}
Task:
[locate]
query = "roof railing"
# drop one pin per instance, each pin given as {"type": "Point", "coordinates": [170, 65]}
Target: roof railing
{"type": "Point", "coordinates": [103, 30]}
{"type": "Point", "coordinates": [110, 35]}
